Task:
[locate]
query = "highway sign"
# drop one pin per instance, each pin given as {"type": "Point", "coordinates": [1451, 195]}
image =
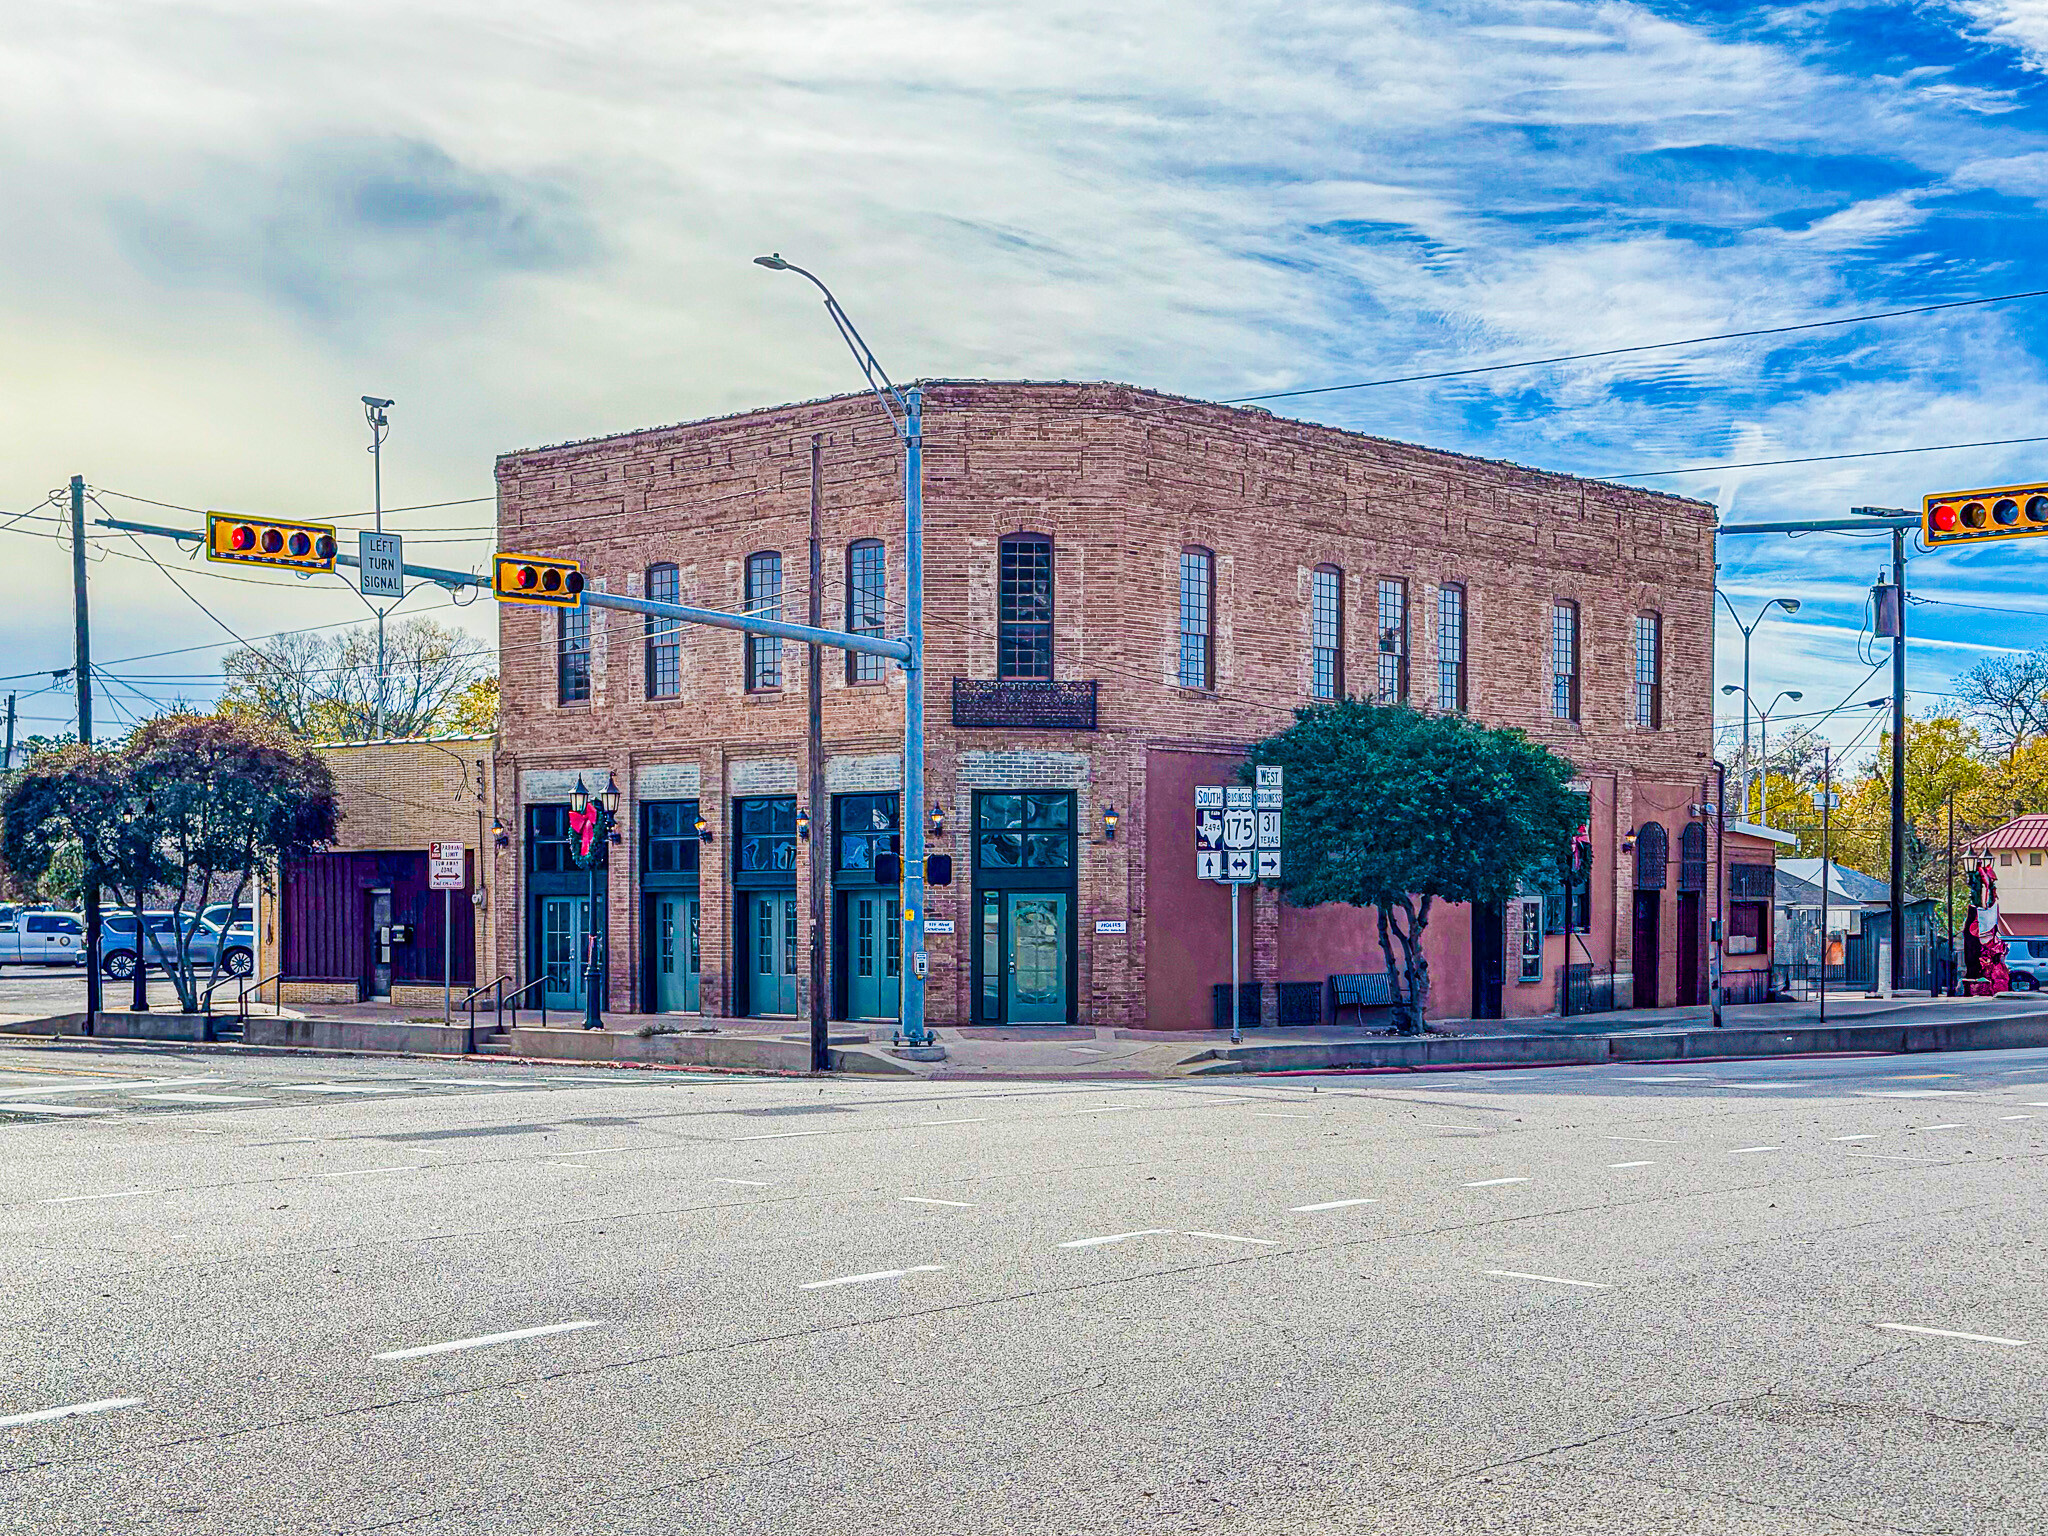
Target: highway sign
{"type": "Point", "coordinates": [1208, 864]}
{"type": "Point", "coordinates": [1237, 864]}
{"type": "Point", "coordinates": [1238, 796]}
{"type": "Point", "coordinates": [1208, 797]}
{"type": "Point", "coordinates": [383, 564]}
{"type": "Point", "coordinates": [1269, 863]}
{"type": "Point", "coordinates": [1269, 788]}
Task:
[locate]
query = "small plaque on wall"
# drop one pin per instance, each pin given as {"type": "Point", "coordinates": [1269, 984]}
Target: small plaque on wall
{"type": "Point", "coordinates": [938, 925]}
{"type": "Point", "coordinates": [1110, 925]}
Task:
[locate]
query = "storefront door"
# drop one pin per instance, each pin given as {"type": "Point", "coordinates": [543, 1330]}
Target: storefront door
{"type": "Point", "coordinates": [677, 953]}
{"type": "Point", "coordinates": [773, 939]}
{"type": "Point", "coordinates": [1036, 939]}
{"type": "Point", "coordinates": [564, 933]}
{"type": "Point", "coordinates": [874, 956]}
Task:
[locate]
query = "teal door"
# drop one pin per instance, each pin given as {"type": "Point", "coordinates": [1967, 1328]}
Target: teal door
{"type": "Point", "coordinates": [677, 952]}
{"type": "Point", "coordinates": [874, 954]}
{"type": "Point", "coordinates": [564, 933]}
{"type": "Point", "coordinates": [1035, 991]}
{"type": "Point", "coordinates": [772, 952]}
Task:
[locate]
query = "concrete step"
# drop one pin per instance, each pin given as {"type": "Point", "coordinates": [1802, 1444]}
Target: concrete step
{"type": "Point", "coordinates": [494, 1045]}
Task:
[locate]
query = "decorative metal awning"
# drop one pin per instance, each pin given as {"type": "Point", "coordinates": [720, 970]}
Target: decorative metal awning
{"type": "Point", "coordinates": [1017, 705]}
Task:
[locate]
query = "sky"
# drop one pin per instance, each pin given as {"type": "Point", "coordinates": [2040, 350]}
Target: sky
{"type": "Point", "coordinates": [528, 223]}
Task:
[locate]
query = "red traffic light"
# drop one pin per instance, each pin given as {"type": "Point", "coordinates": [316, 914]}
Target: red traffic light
{"type": "Point", "coordinates": [1944, 518]}
{"type": "Point", "coordinates": [244, 537]}
{"type": "Point", "coordinates": [536, 579]}
{"type": "Point", "coordinates": [529, 578]}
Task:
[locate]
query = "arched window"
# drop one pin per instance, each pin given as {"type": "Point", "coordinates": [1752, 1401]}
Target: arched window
{"type": "Point", "coordinates": [1692, 858]}
{"type": "Point", "coordinates": [867, 592]}
{"type": "Point", "coordinates": [1653, 853]}
{"type": "Point", "coordinates": [1024, 608]}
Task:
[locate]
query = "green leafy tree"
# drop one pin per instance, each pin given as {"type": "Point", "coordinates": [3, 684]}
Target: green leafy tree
{"type": "Point", "coordinates": [322, 686]}
{"type": "Point", "coordinates": [190, 806]}
{"type": "Point", "coordinates": [1394, 809]}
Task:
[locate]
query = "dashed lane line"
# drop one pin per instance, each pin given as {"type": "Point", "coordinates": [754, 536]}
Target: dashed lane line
{"type": "Point", "coordinates": [1117, 1237]}
{"type": "Point", "coordinates": [69, 1411]}
{"type": "Point", "coordinates": [1518, 1274]}
{"type": "Point", "coordinates": [1331, 1205]}
{"type": "Point", "coordinates": [1950, 1333]}
{"type": "Point", "coordinates": [870, 1278]}
{"type": "Point", "coordinates": [483, 1340]}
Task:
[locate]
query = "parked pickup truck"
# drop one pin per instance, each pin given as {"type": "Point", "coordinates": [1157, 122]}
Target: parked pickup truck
{"type": "Point", "coordinates": [29, 936]}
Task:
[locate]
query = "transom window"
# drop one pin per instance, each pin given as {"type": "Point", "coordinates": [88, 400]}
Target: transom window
{"type": "Point", "coordinates": [1564, 661]}
{"type": "Point", "coordinates": [1025, 831]}
{"type": "Point", "coordinates": [867, 592]}
{"type": "Point", "coordinates": [1450, 648]}
{"type": "Point", "coordinates": [1024, 604]}
{"type": "Point", "coordinates": [664, 641]}
{"type": "Point", "coordinates": [572, 663]}
{"type": "Point", "coordinates": [767, 840]}
{"type": "Point", "coordinates": [668, 837]}
{"type": "Point", "coordinates": [1649, 671]}
{"type": "Point", "coordinates": [1326, 633]}
{"type": "Point", "coordinates": [547, 839]}
{"type": "Point", "coordinates": [764, 597]}
{"type": "Point", "coordinates": [1197, 617]}
{"type": "Point", "coordinates": [1393, 616]}
{"type": "Point", "coordinates": [864, 826]}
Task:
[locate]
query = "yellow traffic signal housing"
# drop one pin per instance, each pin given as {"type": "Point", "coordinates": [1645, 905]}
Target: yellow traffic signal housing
{"type": "Point", "coordinates": [2001, 512]}
{"type": "Point", "coordinates": [268, 541]}
{"type": "Point", "coordinates": [536, 579]}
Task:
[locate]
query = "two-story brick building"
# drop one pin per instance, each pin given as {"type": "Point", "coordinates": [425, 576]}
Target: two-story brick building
{"type": "Point", "coordinates": [1123, 589]}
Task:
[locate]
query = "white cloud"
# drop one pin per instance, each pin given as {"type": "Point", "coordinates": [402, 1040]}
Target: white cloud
{"type": "Point", "coordinates": [2021, 25]}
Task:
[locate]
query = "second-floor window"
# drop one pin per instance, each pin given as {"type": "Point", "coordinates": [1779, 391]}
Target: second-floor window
{"type": "Point", "coordinates": [764, 597]}
{"type": "Point", "coordinates": [1326, 634]}
{"type": "Point", "coordinates": [1393, 616]}
{"type": "Point", "coordinates": [1450, 648]}
{"type": "Point", "coordinates": [664, 642]}
{"type": "Point", "coordinates": [867, 590]}
{"type": "Point", "coordinates": [572, 655]}
{"type": "Point", "coordinates": [1564, 661]}
{"type": "Point", "coordinates": [1024, 608]}
{"type": "Point", "coordinates": [1197, 615]}
{"type": "Point", "coordinates": [1650, 671]}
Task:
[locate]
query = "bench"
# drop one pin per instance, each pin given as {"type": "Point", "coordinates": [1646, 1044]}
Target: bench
{"type": "Point", "coordinates": [1360, 992]}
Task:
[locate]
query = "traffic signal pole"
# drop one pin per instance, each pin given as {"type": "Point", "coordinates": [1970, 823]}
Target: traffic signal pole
{"type": "Point", "coordinates": [81, 675]}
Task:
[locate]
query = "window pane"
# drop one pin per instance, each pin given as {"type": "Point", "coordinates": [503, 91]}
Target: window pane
{"type": "Point", "coordinates": [1564, 660]}
{"type": "Point", "coordinates": [1326, 640]}
{"type": "Point", "coordinates": [764, 597]}
{"type": "Point", "coordinates": [572, 678]}
{"type": "Point", "coordinates": [991, 954]}
{"type": "Point", "coordinates": [1196, 584]}
{"type": "Point", "coordinates": [1450, 648]}
{"type": "Point", "coordinates": [1024, 609]}
{"type": "Point", "coordinates": [1649, 666]}
{"type": "Point", "coordinates": [866, 603]}
{"type": "Point", "coordinates": [1048, 810]}
{"type": "Point", "coordinates": [664, 644]}
{"type": "Point", "coordinates": [1047, 850]}
{"type": "Point", "coordinates": [1002, 850]}
{"type": "Point", "coordinates": [1393, 654]}
{"type": "Point", "coordinates": [1002, 811]}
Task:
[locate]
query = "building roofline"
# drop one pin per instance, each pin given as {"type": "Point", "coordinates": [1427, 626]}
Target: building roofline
{"type": "Point", "coordinates": [1253, 411]}
{"type": "Point", "coordinates": [1770, 834]}
{"type": "Point", "coordinates": [400, 741]}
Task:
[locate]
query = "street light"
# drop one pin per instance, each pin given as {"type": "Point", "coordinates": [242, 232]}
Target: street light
{"type": "Point", "coordinates": [1791, 606]}
{"type": "Point", "coordinates": [906, 418]}
{"type": "Point", "coordinates": [1763, 752]}
{"type": "Point", "coordinates": [590, 838]}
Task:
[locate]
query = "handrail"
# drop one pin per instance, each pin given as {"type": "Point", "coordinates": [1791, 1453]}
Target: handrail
{"type": "Point", "coordinates": [513, 999]}
{"type": "Point", "coordinates": [242, 996]}
{"type": "Point", "coordinates": [469, 998]}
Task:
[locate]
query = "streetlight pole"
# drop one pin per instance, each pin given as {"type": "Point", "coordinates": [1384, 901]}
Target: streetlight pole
{"type": "Point", "coordinates": [1791, 606]}
{"type": "Point", "coordinates": [905, 410]}
{"type": "Point", "coordinates": [1763, 754]}
{"type": "Point", "coordinates": [590, 832]}
{"type": "Point", "coordinates": [380, 428]}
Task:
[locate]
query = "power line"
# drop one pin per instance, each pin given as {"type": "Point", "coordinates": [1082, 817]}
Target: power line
{"type": "Point", "coordinates": [1815, 458]}
{"type": "Point", "coordinates": [1648, 346]}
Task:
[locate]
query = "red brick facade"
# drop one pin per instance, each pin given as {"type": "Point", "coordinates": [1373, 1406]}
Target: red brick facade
{"type": "Point", "coordinates": [1122, 480]}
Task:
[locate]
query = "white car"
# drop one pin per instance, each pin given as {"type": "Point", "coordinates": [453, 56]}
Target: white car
{"type": "Point", "coordinates": [31, 936]}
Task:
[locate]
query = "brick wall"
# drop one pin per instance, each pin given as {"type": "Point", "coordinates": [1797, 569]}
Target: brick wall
{"type": "Point", "coordinates": [1121, 479]}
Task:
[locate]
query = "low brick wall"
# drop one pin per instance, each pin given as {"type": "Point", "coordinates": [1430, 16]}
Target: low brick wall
{"type": "Point", "coordinates": [315, 992]}
{"type": "Point", "coordinates": [359, 1035]}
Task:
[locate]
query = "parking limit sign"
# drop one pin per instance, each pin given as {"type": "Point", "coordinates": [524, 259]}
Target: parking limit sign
{"type": "Point", "coordinates": [444, 867]}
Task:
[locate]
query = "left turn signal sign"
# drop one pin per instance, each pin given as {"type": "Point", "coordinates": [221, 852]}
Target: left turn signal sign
{"type": "Point", "coordinates": [267, 541]}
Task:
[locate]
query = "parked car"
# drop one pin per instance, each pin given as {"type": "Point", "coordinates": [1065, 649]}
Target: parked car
{"type": "Point", "coordinates": [221, 915]}
{"type": "Point", "coordinates": [117, 944]}
{"type": "Point", "coordinates": [31, 936]}
{"type": "Point", "coordinates": [2026, 962]}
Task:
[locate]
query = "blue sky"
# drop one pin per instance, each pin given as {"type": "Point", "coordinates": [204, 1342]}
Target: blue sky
{"type": "Point", "coordinates": [530, 222]}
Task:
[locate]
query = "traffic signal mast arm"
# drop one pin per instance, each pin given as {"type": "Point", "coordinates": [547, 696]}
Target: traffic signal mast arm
{"type": "Point", "coordinates": [870, 645]}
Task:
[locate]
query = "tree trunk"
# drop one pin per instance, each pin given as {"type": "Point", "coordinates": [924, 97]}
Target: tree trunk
{"type": "Point", "coordinates": [1411, 991]}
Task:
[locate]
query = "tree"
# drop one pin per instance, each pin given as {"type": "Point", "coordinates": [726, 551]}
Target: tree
{"type": "Point", "coordinates": [1394, 809]}
{"type": "Point", "coordinates": [323, 686]}
{"type": "Point", "coordinates": [474, 711]}
{"type": "Point", "coordinates": [189, 806]}
{"type": "Point", "coordinates": [2009, 695]}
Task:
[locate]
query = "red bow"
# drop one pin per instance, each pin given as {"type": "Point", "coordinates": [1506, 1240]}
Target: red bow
{"type": "Point", "coordinates": [584, 824]}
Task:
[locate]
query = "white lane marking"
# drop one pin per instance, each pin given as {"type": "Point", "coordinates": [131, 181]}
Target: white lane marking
{"type": "Point", "coordinates": [1756, 1149]}
{"type": "Point", "coordinates": [1654, 1141]}
{"type": "Point", "coordinates": [1268, 1114]}
{"type": "Point", "coordinates": [1758, 1085]}
{"type": "Point", "coordinates": [1489, 1183]}
{"type": "Point", "coordinates": [880, 1274]}
{"type": "Point", "coordinates": [1117, 1237]}
{"type": "Point", "coordinates": [69, 1411]}
{"type": "Point", "coordinates": [1911, 1093]}
{"type": "Point", "coordinates": [118, 1086]}
{"type": "Point", "coordinates": [1955, 1125]}
{"type": "Point", "coordinates": [51, 1109]}
{"type": "Point", "coordinates": [965, 1205]}
{"type": "Point", "coordinates": [1950, 1333]}
{"type": "Point", "coordinates": [970, 1120]}
{"type": "Point", "coordinates": [485, 1339]}
{"type": "Point", "coordinates": [118, 1194]}
{"type": "Point", "coordinates": [1890, 1157]}
{"type": "Point", "coordinates": [393, 1087]}
{"type": "Point", "coordinates": [1232, 1237]}
{"type": "Point", "coordinates": [1860, 1136]}
{"type": "Point", "coordinates": [1105, 1109]}
{"type": "Point", "coordinates": [198, 1098]}
{"type": "Point", "coordinates": [352, 1173]}
{"type": "Point", "coordinates": [1650, 1164]}
{"type": "Point", "coordinates": [1692, 1077]}
{"type": "Point", "coordinates": [785, 1135]}
{"type": "Point", "coordinates": [756, 1183]}
{"type": "Point", "coordinates": [1088, 1050]}
{"type": "Point", "coordinates": [472, 1082]}
{"type": "Point", "coordinates": [2015, 1117]}
{"type": "Point", "coordinates": [597, 1151]}
{"type": "Point", "coordinates": [2037, 1104]}
{"type": "Point", "coordinates": [1332, 1205]}
{"type": "Point", "coordinates": [1445, 1125]}
{"type": "Point", "coordinates": [1517, 1274]}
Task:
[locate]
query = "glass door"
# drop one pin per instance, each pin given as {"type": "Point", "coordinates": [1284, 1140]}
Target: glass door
{"type": "Point", "coordinates": [564, 930]}
{"type": "Point", "coordinates": [676, 953]}
{"type": "Point", "coordinates": [1035, 991]}
{"type": "Point", "coordinates": [773, 939]}
{"type": "Point", "coordinates": [874, 955]}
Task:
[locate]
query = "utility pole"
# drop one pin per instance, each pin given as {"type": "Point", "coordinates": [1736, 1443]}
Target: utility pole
{"type": "Point", "coordinates": [1720, 887]}
{"type": "Point", "coordinates": [1827, 804]}
{"type": "Point", "coordinates": [1898, 968]}
{"type": "Point", "coordinates": [1948, 910]}
{"type": "Point", "coordinates": [912, 1013]}
{"type": "Point", "coordinates": [380, 428]}
{"type": "Point", "coordinates": [821, 818]}
{"type": "Point", "coordinates": [82, 675]}
{"type": "Point", "coordinates": [7, 757]}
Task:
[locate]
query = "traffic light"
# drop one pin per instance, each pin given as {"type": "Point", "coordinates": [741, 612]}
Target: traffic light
{"type": "Point", "coordinates": [2001, 512]}
{"type": "Point", "coordinates": [536, 579]}
{"type": "Point", "coordinates": [267, 541]}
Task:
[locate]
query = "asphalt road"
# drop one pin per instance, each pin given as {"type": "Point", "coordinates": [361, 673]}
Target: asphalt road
{"type": "Point", "coordinates": [282, 1295]}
